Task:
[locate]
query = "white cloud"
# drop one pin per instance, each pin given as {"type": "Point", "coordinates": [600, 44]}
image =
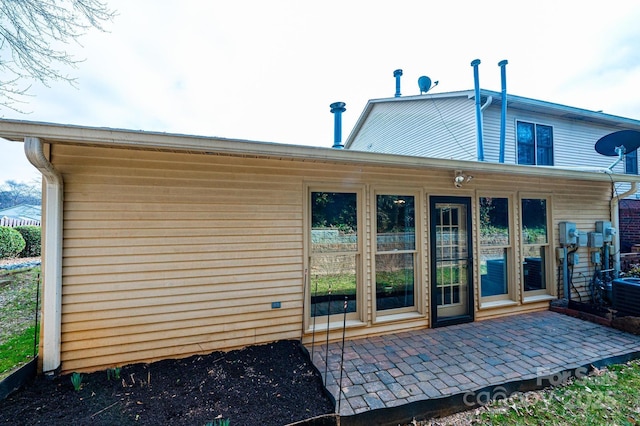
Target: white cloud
{"type": "Point", "coordinates": [259, 70]}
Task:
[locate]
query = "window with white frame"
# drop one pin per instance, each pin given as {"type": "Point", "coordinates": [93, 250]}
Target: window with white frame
{"type": "Point", "coordinates": [396, 252]}
{"type": "Point", "coordinates": [495, 247]}
{"type": "Point", "coordinates": [535, 244]}
{"type": "Point", "coordinates": [534, 144]}
{"type": "Point", "coordinates": [334, 253]}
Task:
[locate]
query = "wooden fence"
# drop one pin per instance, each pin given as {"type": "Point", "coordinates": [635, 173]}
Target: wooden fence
{"type": "Point", "coordinates": [12, 222]}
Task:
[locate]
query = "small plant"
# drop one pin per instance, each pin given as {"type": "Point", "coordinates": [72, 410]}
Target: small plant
{"type": "Point", "coordinates": [219, 422]}
{"type": "Point", "coordinates": [32, 236]}
{"type": "Point", "coordinates": [113, 373]}
{"type": "Point", "coordinates": [76, 380]}
{"type": "Point", "coordinates": [11, 242]}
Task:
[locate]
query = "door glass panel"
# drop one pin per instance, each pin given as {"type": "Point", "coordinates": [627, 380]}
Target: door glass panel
{"type": "Point", "coordinates": [451, 260]}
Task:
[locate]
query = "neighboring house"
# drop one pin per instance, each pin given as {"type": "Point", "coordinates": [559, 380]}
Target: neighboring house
{"type": "Point", "coordinates": [170, 245]}
{"type": "Point", "coordinates": [445, 125]}
{"type": "Point", "coordinates": [23, 214]}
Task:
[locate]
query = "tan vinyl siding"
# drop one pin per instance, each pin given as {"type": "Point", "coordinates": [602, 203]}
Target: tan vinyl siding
{"type": "Point", "coordinates": [172, 254]}
{"type": "Point", "coordinates": [168, 255]}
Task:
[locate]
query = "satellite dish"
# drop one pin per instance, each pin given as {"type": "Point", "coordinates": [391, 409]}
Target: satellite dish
{"type": "Point", "coordinates": [424, 83]}
{"type": "Point", "coordinates": [629, 139]}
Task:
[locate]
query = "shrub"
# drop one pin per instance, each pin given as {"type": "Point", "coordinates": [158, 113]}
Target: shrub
{"type": "Point", "coordinates": [11, 242]}
{"type": "Point", "coordinates": [32, 236]}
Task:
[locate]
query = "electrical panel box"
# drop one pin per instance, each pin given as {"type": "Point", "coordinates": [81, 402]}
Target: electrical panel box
{"type": "Point", "coordinates": [574, 259]}
{"type": "Point", "coordinates": [596, 259]}
{"type": "Point", "coordinates": [568, 233]}
{"type": "Point", "coordinates": [582, 239]}
{"type": "Point", "coordinates": [596, 240]}
{"type": "Point", "coordinates": [607, 231]}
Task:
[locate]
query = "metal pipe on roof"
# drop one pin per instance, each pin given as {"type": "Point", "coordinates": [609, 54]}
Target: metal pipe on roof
{"type": "Point", "coordinates": [503, 117]}
{"type": "Point", "coordinates": [397, 74]}
{"type": "Point", "coordinates": [476, 81]}
{"type": "Point", "coordinates": [337, 108]}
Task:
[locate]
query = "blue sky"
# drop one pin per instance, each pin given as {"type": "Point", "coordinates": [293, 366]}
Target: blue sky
{"type": "Point", "coordinates": [268, 70]}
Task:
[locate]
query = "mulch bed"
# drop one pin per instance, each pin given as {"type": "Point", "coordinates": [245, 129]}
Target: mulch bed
{"type": "Point", "coordinates": [273, 384]}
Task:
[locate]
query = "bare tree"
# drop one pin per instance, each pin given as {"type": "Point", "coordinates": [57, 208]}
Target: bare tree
{"type": "Point", "coordinates": [33, 36]}
{"type": "Point", "coordinates": [13, 193]}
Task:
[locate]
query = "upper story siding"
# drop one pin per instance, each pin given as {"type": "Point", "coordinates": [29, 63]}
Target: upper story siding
{"type": "Point", "coordinates": [444, 126]}
{"type": "Point", "coordinates": [422, 127]}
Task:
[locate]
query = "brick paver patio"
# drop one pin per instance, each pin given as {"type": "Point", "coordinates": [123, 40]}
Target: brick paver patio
{"type": "Point", "coordinates": [392, 370]}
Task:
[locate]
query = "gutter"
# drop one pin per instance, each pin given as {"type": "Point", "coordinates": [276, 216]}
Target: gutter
{"type": "Point", "coordinates": [615, 221]}
{"type": "Point", "coordinates": [134, 139]}
{"type": "Point", "coordinates": [52, 255]}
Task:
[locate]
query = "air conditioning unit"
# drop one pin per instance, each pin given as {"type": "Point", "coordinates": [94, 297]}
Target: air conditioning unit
{"type": "Point", "coordinates": [626, 296]}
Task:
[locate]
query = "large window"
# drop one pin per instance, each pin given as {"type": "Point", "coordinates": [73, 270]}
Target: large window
{"type": "Point", "coordinates": [535, 244]}
{"type": "Point", "coordinates": [334, 252]}
{"type": "Point", "coordinates": [631, 163]}
{"type": "Point", "coordinates": [495, 246]}
{"type": "Point", "coordinates": [395, 251]}
{"type": "Point", "coordinates": [535, 144]}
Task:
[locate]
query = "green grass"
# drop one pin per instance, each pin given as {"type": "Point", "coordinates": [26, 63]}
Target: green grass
{"type": "Point", "coordinates": [18, 290]}
{"type": "Point", "coordinates": [339, 283]}
{"type": "Point", "coordinates": [16, 351]}
{"type": "Point", "coordinates": [611, 397]}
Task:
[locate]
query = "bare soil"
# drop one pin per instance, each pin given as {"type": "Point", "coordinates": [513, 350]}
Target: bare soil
{"type": "Point", "coordinates": [273, 384]}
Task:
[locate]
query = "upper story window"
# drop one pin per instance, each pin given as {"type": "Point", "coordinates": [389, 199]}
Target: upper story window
{"type": "Point", "coordinates": [535, 144]}
{"type": "Point", "coordinates": [631, 163]}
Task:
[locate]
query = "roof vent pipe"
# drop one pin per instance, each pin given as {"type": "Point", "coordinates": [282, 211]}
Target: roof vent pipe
{"type": "Point", "coordinates": [503, 118]}
{"type": "Point", "coordinates": [476, 81]}
{"type": "Point", "coordinates": [337, 108]}
{"type": "Point", "coordinates": [397, 74]}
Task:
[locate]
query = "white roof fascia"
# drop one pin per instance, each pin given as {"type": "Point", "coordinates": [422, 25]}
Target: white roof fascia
{"type": "Point", "coordinates": [118, 138]}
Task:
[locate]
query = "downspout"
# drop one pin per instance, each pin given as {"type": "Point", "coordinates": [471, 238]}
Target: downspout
{"type": "Point", "coordinates": [503, 116]}
{"type": "Point", "coordinates": [615, 221]}
{"type": "Point", "coordinates": [52, 255]}
{"type": "Point", "coordinates": [476, 81]}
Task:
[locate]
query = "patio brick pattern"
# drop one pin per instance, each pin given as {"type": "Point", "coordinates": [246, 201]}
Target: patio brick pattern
{"type": "Point", "coordinates": [391, 370]}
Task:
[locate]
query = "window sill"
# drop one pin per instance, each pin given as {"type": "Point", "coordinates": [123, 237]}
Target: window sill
{"type": "Point", "coordinates": [497, 304]}
{"type": "Point", "coordinates": [538, 298]}
{"type": "Point", "coordinates": [398, 317]}
{"type": "Point", "coordinates": [335, 325]}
